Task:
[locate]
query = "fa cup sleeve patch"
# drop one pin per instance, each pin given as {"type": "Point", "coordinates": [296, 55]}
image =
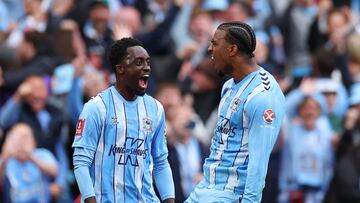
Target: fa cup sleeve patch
{"type": "Point", "coordinates": [79, 127]}
{"type": "Point", "coordinates": [269, 116]}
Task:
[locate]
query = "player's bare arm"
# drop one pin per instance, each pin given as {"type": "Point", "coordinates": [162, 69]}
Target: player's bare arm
{"type": "Point", "coordinates": [170, 200]}
{"type": "Point", "coordinates": [90, 200]}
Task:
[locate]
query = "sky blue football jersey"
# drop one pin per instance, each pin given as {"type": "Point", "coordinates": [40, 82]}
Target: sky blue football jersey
{"type": "Point", "coordinates": [127, 137]}
{"type": "Point", "coordinates": [250, 115]}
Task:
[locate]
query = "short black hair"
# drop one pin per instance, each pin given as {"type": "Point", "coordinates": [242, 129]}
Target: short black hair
{"type": "Point", "coordinates": [241, 34]}
{"type": "Point", "coordinates": [118, 50]}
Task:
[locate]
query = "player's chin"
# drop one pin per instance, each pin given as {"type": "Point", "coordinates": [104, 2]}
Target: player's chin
{"type": "Point", "coordinates": [220, 73]}
{"type": "Point", "coordinates": [219, 67]}
{"type": "Point", "coordinates": [140, 91]}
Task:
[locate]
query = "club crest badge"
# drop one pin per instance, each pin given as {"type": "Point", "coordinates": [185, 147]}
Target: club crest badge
{"type": "Point", "coordinates": [147, 124]}
{"type": "Point", "coordinates": [269, 116]}
{"type": "Point", "coordinates": [114, 120]}
{"type": "Point", "coordinates": [235, 104]}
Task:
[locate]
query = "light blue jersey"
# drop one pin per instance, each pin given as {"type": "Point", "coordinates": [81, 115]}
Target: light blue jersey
{"type": "Point", "coordinates": [307, 159]}
{"type": "Point", "coordinates": [249, 120]}
{"type": "Point", "coordinates": [26, 182]}
{"type": "Point", "coordinates": [127, 141]}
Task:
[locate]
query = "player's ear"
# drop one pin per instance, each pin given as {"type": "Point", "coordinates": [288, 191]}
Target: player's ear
{"type": "Point", "coordinates": [120, 68]}
{"type": "Point", "coordinates": [232, 50]}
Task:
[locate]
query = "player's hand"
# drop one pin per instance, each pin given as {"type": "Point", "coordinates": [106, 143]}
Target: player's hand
{"type": "Point", "coordinates": [169, 200]}
{"type": "Point", "coordinates": [90, 200]}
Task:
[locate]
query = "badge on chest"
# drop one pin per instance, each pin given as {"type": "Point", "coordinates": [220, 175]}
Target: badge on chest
{"type": "Point", "coordinates": [235, 104]}
{"type": "Point", "coordinates": [147, 124]}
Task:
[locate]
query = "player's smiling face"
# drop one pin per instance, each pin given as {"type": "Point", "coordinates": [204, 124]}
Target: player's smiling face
{"type": "Point", "coordinates": [136, 71]}
{"type": "Point", "coordinates": [218, 50]}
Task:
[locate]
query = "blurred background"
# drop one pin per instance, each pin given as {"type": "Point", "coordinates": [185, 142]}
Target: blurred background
{"type": "Point", "coordinates": [53, 59]}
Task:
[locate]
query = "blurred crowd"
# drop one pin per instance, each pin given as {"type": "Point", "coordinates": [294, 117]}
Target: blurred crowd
{"type": "Point", "coordinates": [53, 59]}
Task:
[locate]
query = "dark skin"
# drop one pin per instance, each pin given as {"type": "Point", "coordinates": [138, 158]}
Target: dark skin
{"type": "Point", "coordinates": [131, 81]}
{"type": "Point", "coordinates": [135, 65]}
{"type": "Point", "coordinates": [228, 58]}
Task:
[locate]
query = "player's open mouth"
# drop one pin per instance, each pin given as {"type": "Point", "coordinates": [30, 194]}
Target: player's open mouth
{"type": "Point", "coordinates": [143, 81]}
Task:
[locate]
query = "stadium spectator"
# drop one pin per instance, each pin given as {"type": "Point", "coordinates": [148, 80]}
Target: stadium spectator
{"type": "Point", "coordinates": [25, 170]}
{"type": "Point", "coordinates": [345, 186]}
{"type": "Point", "coordinates": [30, 105]}
{"type": "Point", "coordinates": [307, 155]}
{"type": "Point", "coordinates": [190, 150]}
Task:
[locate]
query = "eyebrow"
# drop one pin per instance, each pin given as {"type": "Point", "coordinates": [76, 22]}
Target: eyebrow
{"type": "Point", "coordinates": [217, 39]}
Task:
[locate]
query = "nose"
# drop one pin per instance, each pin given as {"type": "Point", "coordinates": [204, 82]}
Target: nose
{"type": "Point", "coordinates": [147, 67]}
{"type": "Point", "coordinates": [210, 49]}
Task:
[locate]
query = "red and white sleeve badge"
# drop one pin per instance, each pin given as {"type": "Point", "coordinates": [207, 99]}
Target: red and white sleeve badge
{"type": "Point", "coordinates": [79, 127]}
{"type": "Point", "coordinates": [269, 116]}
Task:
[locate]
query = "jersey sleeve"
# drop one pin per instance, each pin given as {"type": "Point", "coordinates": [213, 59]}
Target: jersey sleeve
{"type": "Point", "coordinates": [89, 126]}
{"type": "Point", "coordinates": [162, 172]}
{"type": "Point", "coordinates": [159, 146]}
{"type": "Point", "coordinates": [264, 113]}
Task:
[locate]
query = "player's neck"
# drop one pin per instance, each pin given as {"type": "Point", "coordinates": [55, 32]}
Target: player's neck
{"type": "Point", "coordinates": [123, 91]}
{"type": "Point", "coordinates": [244, 69]}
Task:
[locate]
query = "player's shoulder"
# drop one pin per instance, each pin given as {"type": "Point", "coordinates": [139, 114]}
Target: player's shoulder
{"type": "Point", "coordinates": [267, 91]}
{"type": "Point", "coordinates": [266, 80]}
{"type": "Point", "coordinates": [150, 100]}
{"type": "Point", "coordinates": [268, 83]}
{"type": "Point", "coordinates": [97, 102]}
{"type": "Point", "coordinates": [267, 97]}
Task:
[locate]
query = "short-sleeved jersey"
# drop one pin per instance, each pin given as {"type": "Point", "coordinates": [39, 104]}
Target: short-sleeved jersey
{"type": "Point", "coordinates": [249, 119]}
{"type": "Point", "coordinates": [126, 137]}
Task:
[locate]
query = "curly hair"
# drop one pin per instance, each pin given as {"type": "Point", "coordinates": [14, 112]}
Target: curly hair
{"type": "Point", "coordinates": [118, 50]}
